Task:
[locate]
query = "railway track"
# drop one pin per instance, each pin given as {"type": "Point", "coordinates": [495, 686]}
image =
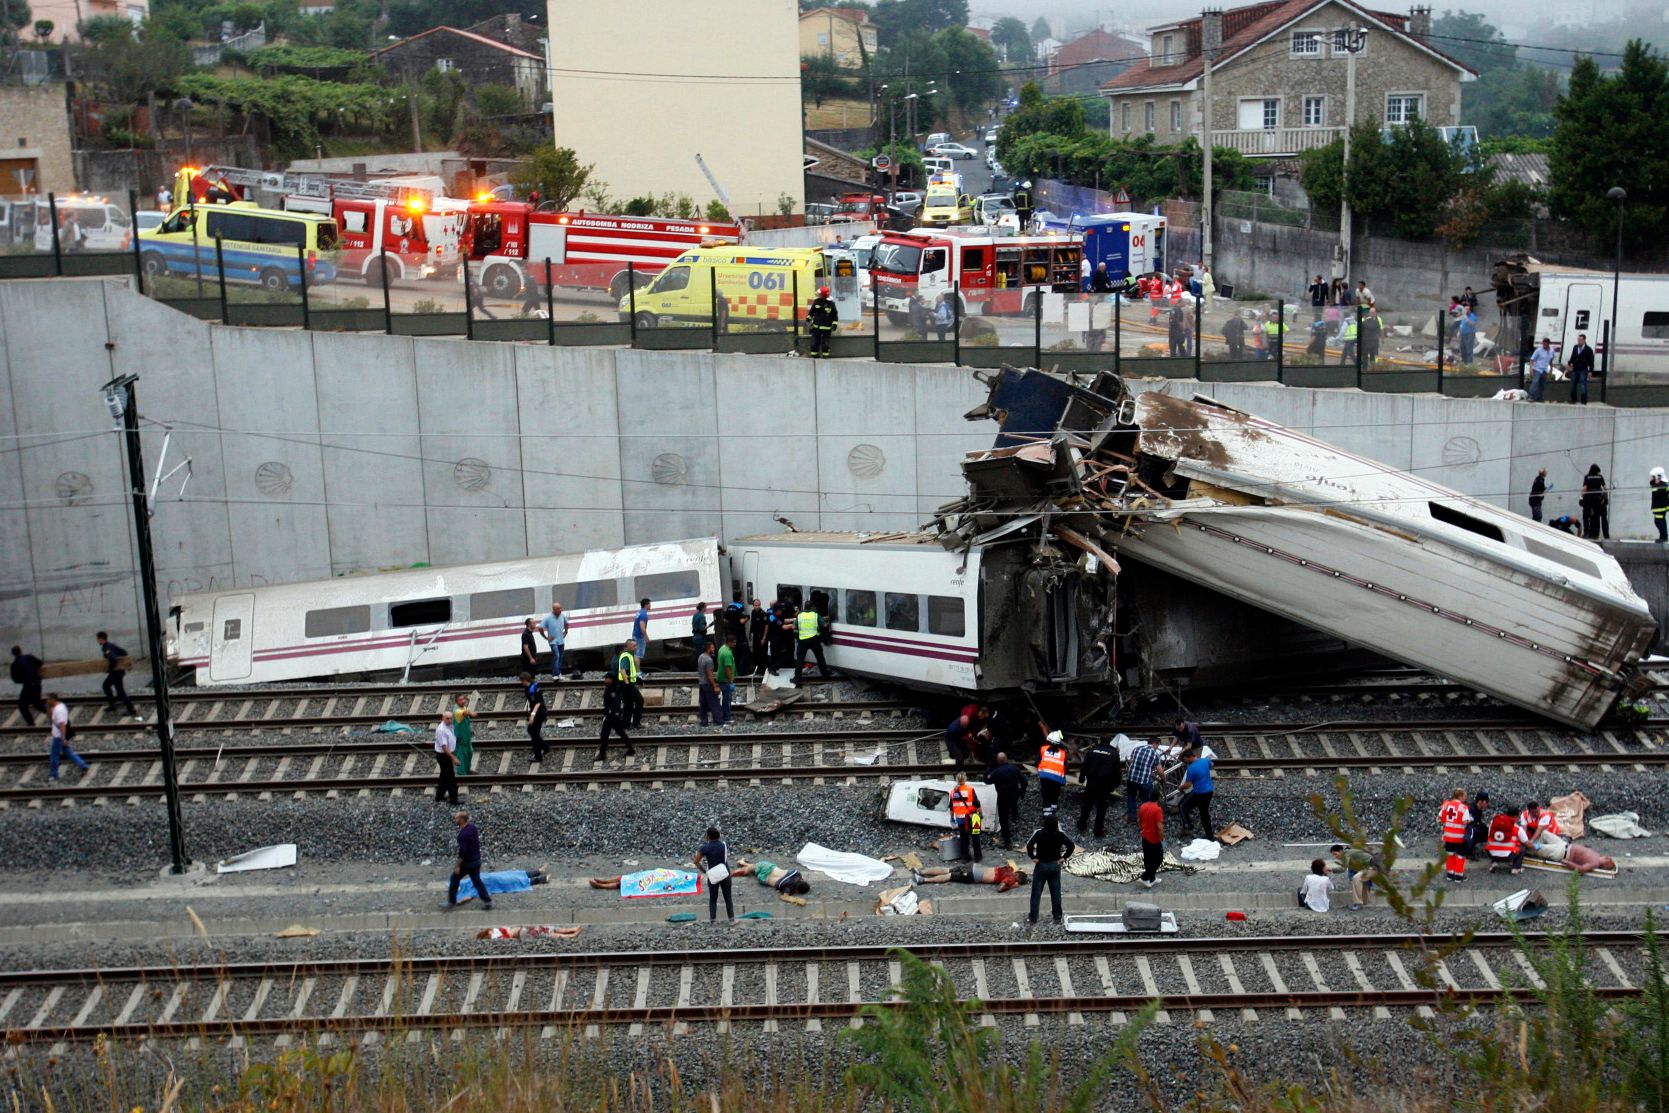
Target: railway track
{"type": "Point", "coordinates": [862, 751]}
{"type": "Point", "coordinates": [563, 995]}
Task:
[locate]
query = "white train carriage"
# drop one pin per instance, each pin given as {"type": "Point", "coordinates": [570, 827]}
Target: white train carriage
{"type": "Point", "coordinates": [437, 616]}
{"type": "Point", "coordinates": [995, 619]}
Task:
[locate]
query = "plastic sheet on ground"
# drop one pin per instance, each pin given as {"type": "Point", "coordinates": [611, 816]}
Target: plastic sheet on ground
{"type": "Point", "coordinates": [1569, 811]}
{"type": "Point", "coordinates": [1202, 850]}
{"type": "Point", "coordinates": [266, 858]}
{"type": "Point", "coordinates": [1526, 904]}
{"type": "Point", "coordinates": [527, 931]}
{"type": "Point", "coordinates": [842, 865]}
{"type": "Point", "coordinates": [1621, 825]}
{"type": "Point", "coordinates": [394, 726]}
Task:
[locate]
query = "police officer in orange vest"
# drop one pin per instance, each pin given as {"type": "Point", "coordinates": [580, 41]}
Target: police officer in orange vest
{"type": "Point", "coordinates": [1051, 769]}
{"type": "Point", "coordinates": [964, 813]}
{"type": "Point", "coordinates": [1456, 817]}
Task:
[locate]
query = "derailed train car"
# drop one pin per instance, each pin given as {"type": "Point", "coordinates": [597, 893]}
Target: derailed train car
{"type": "Point", "coordinates": [1293, 526]}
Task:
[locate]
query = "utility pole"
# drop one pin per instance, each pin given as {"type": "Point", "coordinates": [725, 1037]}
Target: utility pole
{"type": "Point", "coordinates": [1351, 40]}
{"type": "Point", "coordinates": [1211, 37]}
{"type": "Point", "coordinates": [412, 106]}
{"type": "Point", "coordinates": [123, 403]}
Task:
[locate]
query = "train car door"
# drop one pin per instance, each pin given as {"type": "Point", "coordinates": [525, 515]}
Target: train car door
{"type": "Point", "coordinates": [1584, 313]}
{"type": "Point", "coordinates": [1060, 611]}
{"type": "Point", "coordinates": [750, 575]}
{"type": "Point", "coordinates": [231, 641]}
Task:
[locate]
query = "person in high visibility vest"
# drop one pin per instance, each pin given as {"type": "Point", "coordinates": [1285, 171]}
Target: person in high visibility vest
{"type": "Point", "coordinates": [1274, 331]}
{"type": "Point", "coordinates": [1506, 843]}
{"type": "Point", "coordinates": [822, 316]}
{"type": "Point", "coordinates": [1051, 769]}
{"type": "Point", "coordinates": [1347, 339]}
{"type": "Point", "coordinates": [808, 626]}
{"type": "Point", "coordinates": [626, 677]}
{"type": "Point", "coordinates": [964, 815]}
{"type": "Point", "coordinates": [1455, 817]}
{"type": "Point", "coordinates": [1539, 824]}
{"type": "Point", "coordinates": [1660, 504]}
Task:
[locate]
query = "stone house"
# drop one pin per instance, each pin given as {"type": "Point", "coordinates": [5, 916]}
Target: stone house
{"type": "Point", "coordinates": [35, 144]}
{"type": "Point", "coordinates": [1279, 76]}
{"type": "Point", "coordinates": [482, 61]}
{"type": "Point", "coordinates": [843, 34]}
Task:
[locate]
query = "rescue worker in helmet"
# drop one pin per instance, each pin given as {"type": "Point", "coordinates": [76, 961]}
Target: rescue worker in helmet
{"type": "Point", "coordinates": [822, 316]}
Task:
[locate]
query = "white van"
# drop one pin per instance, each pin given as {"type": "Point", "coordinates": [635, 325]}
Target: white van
{"type": "Point", "coordinates": [937, 165]}
{"type": "Point", "coordinates": [103, 225]}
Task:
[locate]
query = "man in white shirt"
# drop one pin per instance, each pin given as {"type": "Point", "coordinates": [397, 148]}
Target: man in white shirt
{"type": "Point", "coordinates": [61, 736]}
{"type": "Point", "coordinates": [1541, 361]}
{"type": "Point", "coordinates": [555, 628]}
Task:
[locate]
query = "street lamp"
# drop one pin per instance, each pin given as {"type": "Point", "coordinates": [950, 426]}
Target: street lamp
{"type": "Point", "coordinates": [1617, 195]}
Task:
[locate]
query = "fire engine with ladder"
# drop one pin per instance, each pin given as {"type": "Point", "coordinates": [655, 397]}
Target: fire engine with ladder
{"type": "Point", "coordinates": [515, 240]}
{"type": "Point", "coordinates": [408, 229]}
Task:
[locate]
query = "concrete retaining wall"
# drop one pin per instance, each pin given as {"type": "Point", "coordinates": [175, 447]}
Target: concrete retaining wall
{"type": "Point", "coordinates": [319, 454]}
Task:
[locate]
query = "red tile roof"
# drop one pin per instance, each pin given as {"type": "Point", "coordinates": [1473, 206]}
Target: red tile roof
{"type": "Point", "coordinates": [470, 35]}
{"type": "Point", "coordinates": [1242, 28]}
{"type": "Point", "coordinates": [1097, 46]}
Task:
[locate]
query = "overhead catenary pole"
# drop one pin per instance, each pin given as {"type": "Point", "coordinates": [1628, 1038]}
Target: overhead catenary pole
{"type": "Point", "coordinates": [1208, 50]}
{"type": "Point", "coordinates": [123, 402]}
{"type": "Point", "coordinates": [1351, 41]}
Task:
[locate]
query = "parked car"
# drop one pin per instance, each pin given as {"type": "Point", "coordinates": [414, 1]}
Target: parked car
{"type": "Point", "coordinates": [906, 197]}
{"type": "Point", "coordinates": [990, 135]}
{"type": "Point", "coordinates": [952, 150]}
{"type": "Point", "coordinates": [818, 213]}
{"type": "Point", "coordinates": [935, 139]}
{"type": "Point", "coordinates": [149, 218]}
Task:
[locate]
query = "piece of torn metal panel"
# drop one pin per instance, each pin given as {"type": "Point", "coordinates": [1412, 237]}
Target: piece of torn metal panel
{"type": "Point", "coordinates": [266, 858]}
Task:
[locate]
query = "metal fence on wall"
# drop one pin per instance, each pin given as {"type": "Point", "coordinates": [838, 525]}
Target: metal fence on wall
{"type": "Point", "coordinates": [1059, 327]}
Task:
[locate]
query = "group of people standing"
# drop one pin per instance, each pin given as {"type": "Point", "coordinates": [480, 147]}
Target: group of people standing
{"type": "Point", "coordinates": [1595, 504]}
{"type": "Point", "coordinates": [1345, 316]}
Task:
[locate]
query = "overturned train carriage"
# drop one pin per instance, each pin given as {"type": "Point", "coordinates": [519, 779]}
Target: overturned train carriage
{"type": "Point", "coordinates": [1277, 520]}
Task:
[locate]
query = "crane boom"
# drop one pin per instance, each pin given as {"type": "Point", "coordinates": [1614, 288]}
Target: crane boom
{"type": "Point", "coordinates": [724, 198]}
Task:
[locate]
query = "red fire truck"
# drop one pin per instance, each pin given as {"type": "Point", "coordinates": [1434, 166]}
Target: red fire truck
{"type": "Point", "coordinates": [410, 230]}
{"type": "Point", "coordinates": [861, 206]}
{"type": "Point", "coordinates": [584, 250]}
{"type": "Point", "coordinates": [995, 274]}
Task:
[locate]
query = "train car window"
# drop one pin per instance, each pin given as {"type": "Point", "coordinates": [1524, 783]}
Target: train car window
{"type": "Point", "coordinates": [860, 608]}
{"type": "Point", "coordinates": [826, 601]}
{"type": "Point", "coordinates": [586, 594]}
{"type": "Point", "coordinates": [420, 612]}
{"type": "Point", "coordinates": [337, 620]}
{"type": "Point", "coordinates": [944, 616]}
{"type": "Point", "coordinates": [789, 593]}
{"type": "Point", "coordinates": [1465, 521]}
{"type": "Point", "coordinates": [903, 612]}
{"type": "Point", "coordinates": [501, 604]}
{"type": "Point", "coordinates": [667, 585]}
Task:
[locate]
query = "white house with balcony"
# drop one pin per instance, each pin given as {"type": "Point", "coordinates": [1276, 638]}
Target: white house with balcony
{"type": "Point", "coordinates": [1282, 75]}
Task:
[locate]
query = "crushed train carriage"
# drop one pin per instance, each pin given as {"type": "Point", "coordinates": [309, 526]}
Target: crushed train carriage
{"type": "Point", "coordinates": [1276, 519]}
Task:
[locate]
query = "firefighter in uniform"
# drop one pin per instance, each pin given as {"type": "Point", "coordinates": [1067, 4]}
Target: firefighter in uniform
{"type": "Point", "coordinates": [1660, 504]}
{"type": "Point", "coordinates": [625, 675]}
{"type": "Point", "coordinates": [964, 812]}
{"type": "Point", "coordinates": [822, 317]}
{"type": "Point", "coordinates": [808, 626]}
{"type": "Point", "coordinates": [1023, 204]}
{"type": "Point", "coordinates": [1051, 769]}
{"type": "Point", "coordinates": [1455, 817]}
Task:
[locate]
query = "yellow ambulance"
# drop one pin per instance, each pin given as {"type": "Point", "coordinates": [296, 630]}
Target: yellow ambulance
{"type": "Point", "coordinates": [767, 286]}
{"type": "Point", "coordinates": [945, 204]}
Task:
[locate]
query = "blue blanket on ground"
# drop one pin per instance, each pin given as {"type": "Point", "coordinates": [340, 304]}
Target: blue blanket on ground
{"type": "Point", "coordinates": [503, 881]}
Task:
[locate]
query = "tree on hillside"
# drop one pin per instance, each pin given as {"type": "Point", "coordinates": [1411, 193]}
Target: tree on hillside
{"type": "Point", "coordinates": [893, 19]}
{"type": "Point", "coordinates": [1516, 102]}
{"type": "Point", "coordinates": [971, 69]}
{"type": "Point", "coordinates": [1610, 132]}
{"type": "Point", "coordinates": [1469, 38]}
{"type": "Point", "coordinates": [1009, 35]}
{"type": "Point", "coordinates": [1040, 30]}
{"type": "Point", "coordinates": [14, 17]}
{"type": "Point", "coordinates": [555, 173]}
{"type": "Point", "coordinates": [1038, 115]}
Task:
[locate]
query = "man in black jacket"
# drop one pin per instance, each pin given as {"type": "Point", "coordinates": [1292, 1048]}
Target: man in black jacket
{"type": "Point", "coordinates": [1100, 773]}
{"type": "Point", "coordinates": [1010, 782]}
{"type": "Point", "coordinates": [1538, 492]}
{"type": "Point", "coordinates": [26, 674]}
{"type": "Point", "coordinates": [1579, 365]}
{"type": "Point", "coordinates": [614, 718]}
{"type": "Point", "coordinates": [114, 689]}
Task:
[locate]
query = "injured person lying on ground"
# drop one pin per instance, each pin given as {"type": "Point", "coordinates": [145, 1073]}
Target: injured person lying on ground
{"type": "Point", "coordinates": [773, 876]}
{"type": "Point", "coordinates": [1004, 877]}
